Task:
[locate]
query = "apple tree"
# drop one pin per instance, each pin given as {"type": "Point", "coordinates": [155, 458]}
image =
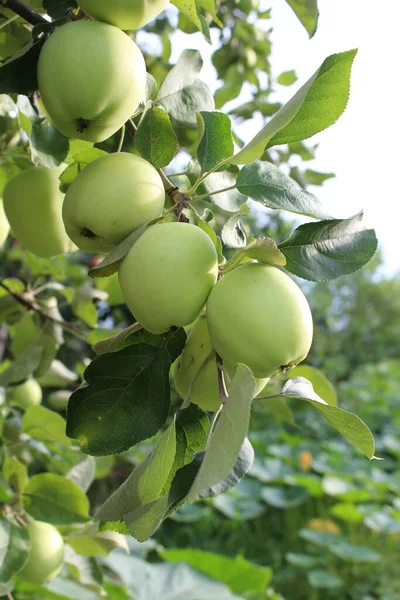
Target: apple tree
{"type": "Point", "coordinates": [144, 308]}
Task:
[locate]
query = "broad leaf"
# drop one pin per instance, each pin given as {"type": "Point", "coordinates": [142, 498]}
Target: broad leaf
{"type": "Point", "coordinates": [88, 542]}
{"type": "Point", "coordinates": [349, 425]}
{"type": "Point", "coordinates": [188, 8]}
{"type": "Point", "coordinates": [125, 401]}
{"type": "Point", "coordinates": [284, 497]}
{"type": "Point", "coordinates": [233, 234]}
{"type": "Point", "coordinates": [49, 148]}
{"type": "Point", "coordinates": [83, 473]}
{"type": "Point", "coordinates": [181, 93]}
{"type": "Point", "coordinates": [328, 249]}
{"type": "Point", "coordinates": [267, 184]}
{"type": "Point", "coordinates": [240, 575]}
{"type": "Point", "coordinates": [15, 473]}
{"type": "Point", "coordinates": [321, 384]}
{"type": "Point", "coordinates": [229, 434]}
{"type": "Point", "coordinates": [316, 106]}
{"type": "Point", "coordinates": [155, 138]}
{"type": "Point", "coordinates": [45, 425]}
{"type": "Point", "coordinates": [56, 500]}
{"type": "Point", "coordinates": [307, 13]}
{"type": "Point", "coordinates": [216, 142]}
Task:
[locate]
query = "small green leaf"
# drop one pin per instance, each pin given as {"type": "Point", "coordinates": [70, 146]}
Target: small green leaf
{"type": "Point", "coordinates": [188, 8]}
{"type": "Point", "coordinates": [155, 138]}
{"type": "Point", "coordinates": [45, 425]}
{"type": "Point", "coordinates": [315, 106]}
{"type": "Point", "coordinates": [54, 499]}
{"type": "Point", "coordinates": [49, 148]}
{"type": "Point", "coordinates": [328, 249]}
{"type": "Point", "coordinates": [284, 497]}
{"type": "Point", "coordinates": [307, 13]}
{"type": "Point", "coordinates": [88, 542]}
{"type": "Point", "coordinates": [321, 384]}
{"type": "Point", "coordinates": [321, 579]}
{"type": "Point", "coordinates": [15, 473]}
{"type": "Point", "coordinates": [349, 425]}
{"type": "Point", "coordinates": [264, 250]}
{"type": "Point", "coordinates": [233, 234]}
{"type": "Point", "coordinates": [287, 78]}
{"type": "Point", "coordinates": [229, 434]}
{"type": "Point", "coordinates": [181, 93]}
{"type": "Point", "coordinates": [83, 473]}
{"type": "Point", "coordinates": [264, 182]}
{"type": "Point", "coordinates": [216, 142]}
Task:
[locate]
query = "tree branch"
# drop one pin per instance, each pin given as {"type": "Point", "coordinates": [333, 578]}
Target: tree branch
{"type": "Point", "coordinates": [25, 12]}
{"type": "Point", "coordinates": [32, 306]}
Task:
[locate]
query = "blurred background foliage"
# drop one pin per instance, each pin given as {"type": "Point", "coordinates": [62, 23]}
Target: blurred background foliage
{"type": "Point", "coordinates": [324, 520]}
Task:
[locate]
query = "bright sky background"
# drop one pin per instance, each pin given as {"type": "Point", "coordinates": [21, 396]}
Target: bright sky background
{"type": "Point", "coordinates": [363, 147]}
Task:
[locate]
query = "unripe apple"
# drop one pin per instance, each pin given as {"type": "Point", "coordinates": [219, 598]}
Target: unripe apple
{"type": "Point", "coordinates": [125, 14]}
{"type": "Point", "coordinates": [26, 394]}
{"type": "Point", "coordinates": [110, 198]}
{"type": "Point", "coordinates": [258, 316]}
{"type": "Point", "coordinates": [4, 225]}
{"type": "Point", "coordinates": [195, 371]}
{"type": "Point", "coordinates": [92, 77]}
{"type": "Point", "coordinates": [33, 206]}
{"type": "Point", "coordinates": [46, 555]}
{"type": "Point", "coordinates": [167, 275]}
{"type": "Point", "coordinates": [59, 399]}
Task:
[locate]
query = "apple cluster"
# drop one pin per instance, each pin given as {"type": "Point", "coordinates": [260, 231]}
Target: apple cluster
{"type": "Point", "coordinates": [92, 77]}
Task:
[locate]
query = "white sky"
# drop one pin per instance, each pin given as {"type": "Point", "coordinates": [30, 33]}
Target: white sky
{"type": "Point", "coordinates": [362, 148]}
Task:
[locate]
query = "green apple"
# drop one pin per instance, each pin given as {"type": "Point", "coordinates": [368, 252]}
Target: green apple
{"type": "Point", "coordinates": [26, 394]}
{"type": "Point", "coordinates": [92, 77]}
{"type": "Point", "coordinates": [258, 316]}
{"type": "Point", "coordinates": [110, 198]}
{"type": "Point", "coordinates": [46, 555]}
{"type": "Point", "coordinates": [59, 399]}
{"type": "Point", "coordinates": [195, 371]}
{"type": "Point", "coordinates": [33, 206]}
{"type": "Point", "coordinates": [125, 14]}
{"type": "Point", "coordinates": [168, 274]}
{"type": "Point", "coordinates": [4, 225]}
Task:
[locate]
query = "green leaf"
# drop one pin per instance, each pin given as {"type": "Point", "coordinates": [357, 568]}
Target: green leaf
{"type": "Point", "coordinates": [264, 250]}
{"type": "Point", "coordinates": [347, 512]}
{"type": "Point", "coordinates": [243, 463]}
{"type": "Point", "coordinates": [88, 542]}
{"type": "Point", "coordinates": [321, 579]}
{"type": "Point", "coordinates": [209, 5]}
{"type": "Point", "coordinates": [181, 93]}
{"type": "Point", "coordinates": [316, 106]}
{"type": "Point", "coordinates": [229, 434]}
{"type": "Point", "coordinates": [54, 499]}
{"type": "Point", "coordinates": [284, 497]}
{"type": "Point", "coordinates": [151, 87]}
{"type": "Point", "coordinates": [233, 234]}
{"type": "Point", "coordinates": [240, 575]}
{"type": "Point", "coordinates": [354, 553]}
{"type": "Point", "coordinates": [83, 473]}
{"type": "Point", "coordinates": [85, 570]}
{"type": "Point", "coordinates": [231, 88]}
{"type": "Point", "coordinates": [307, 13]}
{"type": "Point", "coordinates": [164, 581]}
{"type": "Point", "coordinates": [19, 75]}
{"type": "Point", "coordinates": [267, 184]}
{"type": "Point", "coordinates": [155, 138]}
{"type": "Point", "coordinates": [146, 481]}
{"type": "Point", "coordinates": [238, 508]}
{"type": "Point", "coordinates": [86, 312]}
{"type": "Point", "coordinates": [349, 425]}
{"type": "Point", "coordinates": [81, 159]}
{"type": "Point", "coordinates": [15, 473]}
{"type": "Point", "coordinates": [188, 8]}
{"type": "Point", "coordinates": [287, 78]}
{"type": "Point", "coordinates": [321, 384]}
{"type": "Point", "coordinates": [328, 249]}
{"type": "Point", "coordinates": [304, 561]}
{"type": "Point", "coordinates": [25, 365]}
{"type": "Point", "coordinates": [216, 142]}
{"type": "Point", "coordinates": [49, 148]}
{"type": "Point", "coordinates": [126, 400]}
{"type": "Point", "coordinates": [45, 425]}
{"type": "Point", "coordinates": [14, 549]}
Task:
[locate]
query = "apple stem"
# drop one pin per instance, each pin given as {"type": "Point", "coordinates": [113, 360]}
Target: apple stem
{"type": "Point", "coordinates": [25, 12]}
{"type": "Point", "coordinates": [223, 394]}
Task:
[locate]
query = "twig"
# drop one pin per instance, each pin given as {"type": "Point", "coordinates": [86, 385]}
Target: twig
{"type": "Point", "coordinates": [25, 12]}
{"type": "Point", "coordinates": [9, 596]}
{"type": "Point", "coordinates": [223, 394]}
{"type": "Point", "coordinates": [32, 306]}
